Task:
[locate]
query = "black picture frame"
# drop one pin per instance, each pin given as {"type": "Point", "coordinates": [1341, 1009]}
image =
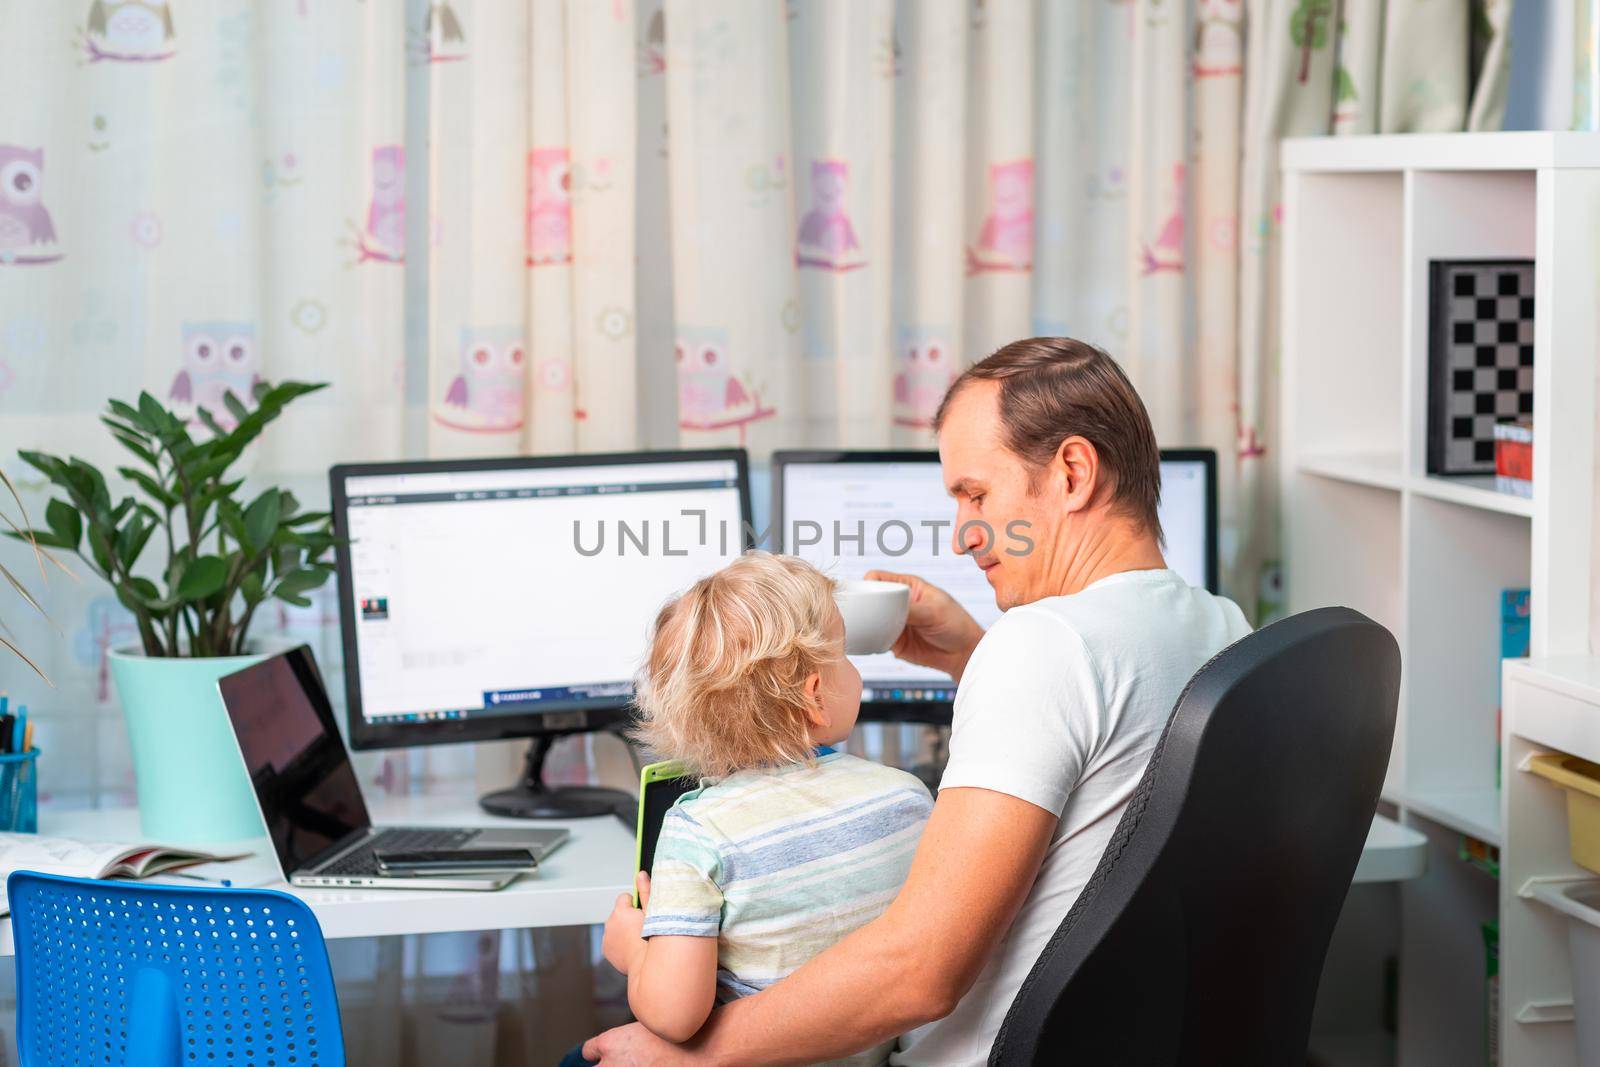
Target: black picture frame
{"type": "Point", "coordinates": [1444, 369]}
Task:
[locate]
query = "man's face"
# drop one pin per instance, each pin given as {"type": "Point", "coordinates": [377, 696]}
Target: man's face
{"type": "Point", "coordinates": [1009, 531]}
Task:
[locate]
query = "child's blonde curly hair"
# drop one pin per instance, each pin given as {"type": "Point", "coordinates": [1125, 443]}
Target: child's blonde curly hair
{"type": "Point", "coordinates": [723, 686]}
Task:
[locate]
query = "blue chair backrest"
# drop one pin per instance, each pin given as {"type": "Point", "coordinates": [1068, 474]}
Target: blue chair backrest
{"type": "Point", "coordinates": [124, 973]}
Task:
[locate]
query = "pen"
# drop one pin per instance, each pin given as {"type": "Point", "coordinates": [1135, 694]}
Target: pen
{"type": "Point", "coordinates": [226, 883]}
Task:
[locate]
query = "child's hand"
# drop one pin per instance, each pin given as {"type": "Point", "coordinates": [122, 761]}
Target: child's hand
{"type": "Point", "coordinates": [622, 942]}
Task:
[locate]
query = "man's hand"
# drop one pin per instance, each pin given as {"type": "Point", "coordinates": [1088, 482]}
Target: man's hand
{"type": "Point", "coordinates": [622, 941]}
{"type": "Point", "coordinates": [635, 1046]}
{"type": "Point", "coordinates": [939, 632]}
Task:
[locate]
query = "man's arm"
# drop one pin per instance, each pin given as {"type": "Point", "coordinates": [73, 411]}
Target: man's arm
{"type": "Point", "coordinates": [973, 869]}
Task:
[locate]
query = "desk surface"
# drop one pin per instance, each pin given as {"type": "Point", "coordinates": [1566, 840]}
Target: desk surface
{"type": "Point", "coordinates": [575, 886]}
{"type": "Point", "coordinates": [1393, 853]}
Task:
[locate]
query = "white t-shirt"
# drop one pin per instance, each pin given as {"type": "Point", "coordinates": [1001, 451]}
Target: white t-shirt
{"type": "Point", "coordinates": [1061, 705]}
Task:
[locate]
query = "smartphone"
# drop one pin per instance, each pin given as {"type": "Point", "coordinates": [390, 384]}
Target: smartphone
{"type": "Point", "coordinates": [660, 786]}
{"type": "Point", "coordinates": [457, 861]}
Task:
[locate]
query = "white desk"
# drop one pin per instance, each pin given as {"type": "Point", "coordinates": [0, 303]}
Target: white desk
{"type": "Point", "coordinates": [1393, 853]}
{"type": "Point", "coordinates": [575, 886]}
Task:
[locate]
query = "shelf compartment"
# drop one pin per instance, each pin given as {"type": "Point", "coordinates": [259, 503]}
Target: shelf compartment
{"type": "Point", "coordinates": [1475, 812]}
{"type": "Point", "coordinates": [1344, 310]}
{"type": "Point", "coordinates": [1577, 901]}
{"type": "Point", "coordinates": [1359, 527]}
{"type": "Point", "coordinates": [1473, 491]}
{"type": "Point", "coordinates": [1378, 470]}
{"type": "Point", "coordinates": [1383, 470]}
{"type": "Point", "coordinates": [1552, 893]}
{"type": "Point", "coordinates": [1458, 560]}
{"type": "Point", "coordinates": [1458, 216]}
{"type": "Point", "coordinates": [1543, 1012]}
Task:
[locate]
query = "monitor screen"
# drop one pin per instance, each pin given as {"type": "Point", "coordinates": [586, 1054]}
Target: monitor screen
{"type": "Point", "coordinates": [851, 512]}
{"type": "Point", "coordinates": [296, 761]}
{"type": "Point", "coordinates": [513, 597]}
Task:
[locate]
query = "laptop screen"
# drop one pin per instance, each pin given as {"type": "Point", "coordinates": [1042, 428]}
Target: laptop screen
{"type": "Point", "coordinates": [309, 796]}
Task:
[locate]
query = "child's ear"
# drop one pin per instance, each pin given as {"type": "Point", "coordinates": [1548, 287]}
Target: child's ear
{"type": "Point", "coordinates": [813, 689]}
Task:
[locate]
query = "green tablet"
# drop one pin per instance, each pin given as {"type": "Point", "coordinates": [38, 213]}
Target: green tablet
{"type": "Point", "coordinates": [660, 785]}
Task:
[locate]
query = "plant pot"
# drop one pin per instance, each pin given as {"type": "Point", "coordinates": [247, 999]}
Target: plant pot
{"type": "Point", "coordinates": [191, 781]}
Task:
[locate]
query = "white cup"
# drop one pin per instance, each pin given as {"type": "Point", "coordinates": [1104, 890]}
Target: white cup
{"type": "Point", "coordinates": [874, 614]}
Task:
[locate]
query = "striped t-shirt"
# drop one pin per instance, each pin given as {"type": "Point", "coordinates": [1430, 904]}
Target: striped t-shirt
{"type": "Point", "coordinates": [779, 864]}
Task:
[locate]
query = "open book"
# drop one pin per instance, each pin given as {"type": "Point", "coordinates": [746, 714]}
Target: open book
{"type": "Point", "coordinates": [92, 859]}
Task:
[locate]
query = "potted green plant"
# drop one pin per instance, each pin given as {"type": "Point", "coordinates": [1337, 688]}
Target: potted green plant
{"type": "Point", "coordinates": [224, 557]}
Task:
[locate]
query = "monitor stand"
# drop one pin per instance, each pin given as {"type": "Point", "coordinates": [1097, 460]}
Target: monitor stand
{"type": "Point", "coordinates": [530, 798]}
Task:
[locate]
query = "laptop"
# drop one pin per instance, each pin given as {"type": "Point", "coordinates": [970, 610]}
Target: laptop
{"type": "Point", "coordinates": [310, 797]}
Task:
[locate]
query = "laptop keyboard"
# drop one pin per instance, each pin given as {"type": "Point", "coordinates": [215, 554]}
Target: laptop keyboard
{"type": "Point", "coordinates": [363, 861]}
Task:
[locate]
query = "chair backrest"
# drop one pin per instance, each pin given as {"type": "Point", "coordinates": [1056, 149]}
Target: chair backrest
{"type": "Point", "coordinates": [112, 973]}
{"type": "Point", "coordinates": [1201, 935]}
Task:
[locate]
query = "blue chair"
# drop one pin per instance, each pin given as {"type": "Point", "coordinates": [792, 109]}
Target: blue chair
{"type": "Point", "coordinates": [124, 973]}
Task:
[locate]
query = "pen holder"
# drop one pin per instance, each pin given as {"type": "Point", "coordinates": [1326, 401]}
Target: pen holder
{"type": "Point", "coordinates": [19, 792]}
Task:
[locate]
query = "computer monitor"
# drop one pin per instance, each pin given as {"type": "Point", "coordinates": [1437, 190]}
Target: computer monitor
{"type": "Point", "coordinates": [507, 598]}
{"type": "Point", "coordinates": [902, 495]}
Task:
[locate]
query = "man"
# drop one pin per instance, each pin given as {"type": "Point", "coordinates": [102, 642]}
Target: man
{"type": "Point", "coordinates": [1053, 464]}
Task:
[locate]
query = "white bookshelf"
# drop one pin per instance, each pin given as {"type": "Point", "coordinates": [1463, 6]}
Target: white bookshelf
{"type": "Point", "coordinates": [1552, 705]}
{"type": "Point", "coordinates": [1366, 526]}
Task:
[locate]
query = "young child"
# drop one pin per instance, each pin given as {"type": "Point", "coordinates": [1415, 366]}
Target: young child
{"type": "Point", "coordinates": [781, 852]}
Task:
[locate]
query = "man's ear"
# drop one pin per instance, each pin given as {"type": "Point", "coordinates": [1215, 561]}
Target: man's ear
{"type": "Point", "coordinates": [813, 690]}
{"type": "Point", "coordinates": [1078, 466]}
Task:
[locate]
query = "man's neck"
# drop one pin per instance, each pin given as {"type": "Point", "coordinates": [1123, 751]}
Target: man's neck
{"type": "Point", "coordinates": [1110, 549]}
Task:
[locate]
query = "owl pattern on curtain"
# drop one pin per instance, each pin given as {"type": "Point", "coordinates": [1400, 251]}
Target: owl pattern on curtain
{"type": "Point", "coordinates": [552, 225]}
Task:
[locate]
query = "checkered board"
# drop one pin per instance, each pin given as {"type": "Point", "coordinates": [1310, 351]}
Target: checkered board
{"type": "Point", "coordinates": [1480, 359]}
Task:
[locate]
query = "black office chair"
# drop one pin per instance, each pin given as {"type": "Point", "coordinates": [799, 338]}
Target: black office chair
{"type": "Point", "coordinates": [1200, 937]}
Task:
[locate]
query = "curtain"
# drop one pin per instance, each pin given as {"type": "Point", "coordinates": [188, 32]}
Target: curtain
{"type": "Point", "coordinates": [501, 226]}
{"type": "Point", "coordinates": [423, 204]}
{"type": "Point", "coordinates": [1317, 67]}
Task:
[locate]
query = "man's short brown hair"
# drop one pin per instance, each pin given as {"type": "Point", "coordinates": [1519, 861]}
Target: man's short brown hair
{"type": "Point", "coordinates": [1052, 388]}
